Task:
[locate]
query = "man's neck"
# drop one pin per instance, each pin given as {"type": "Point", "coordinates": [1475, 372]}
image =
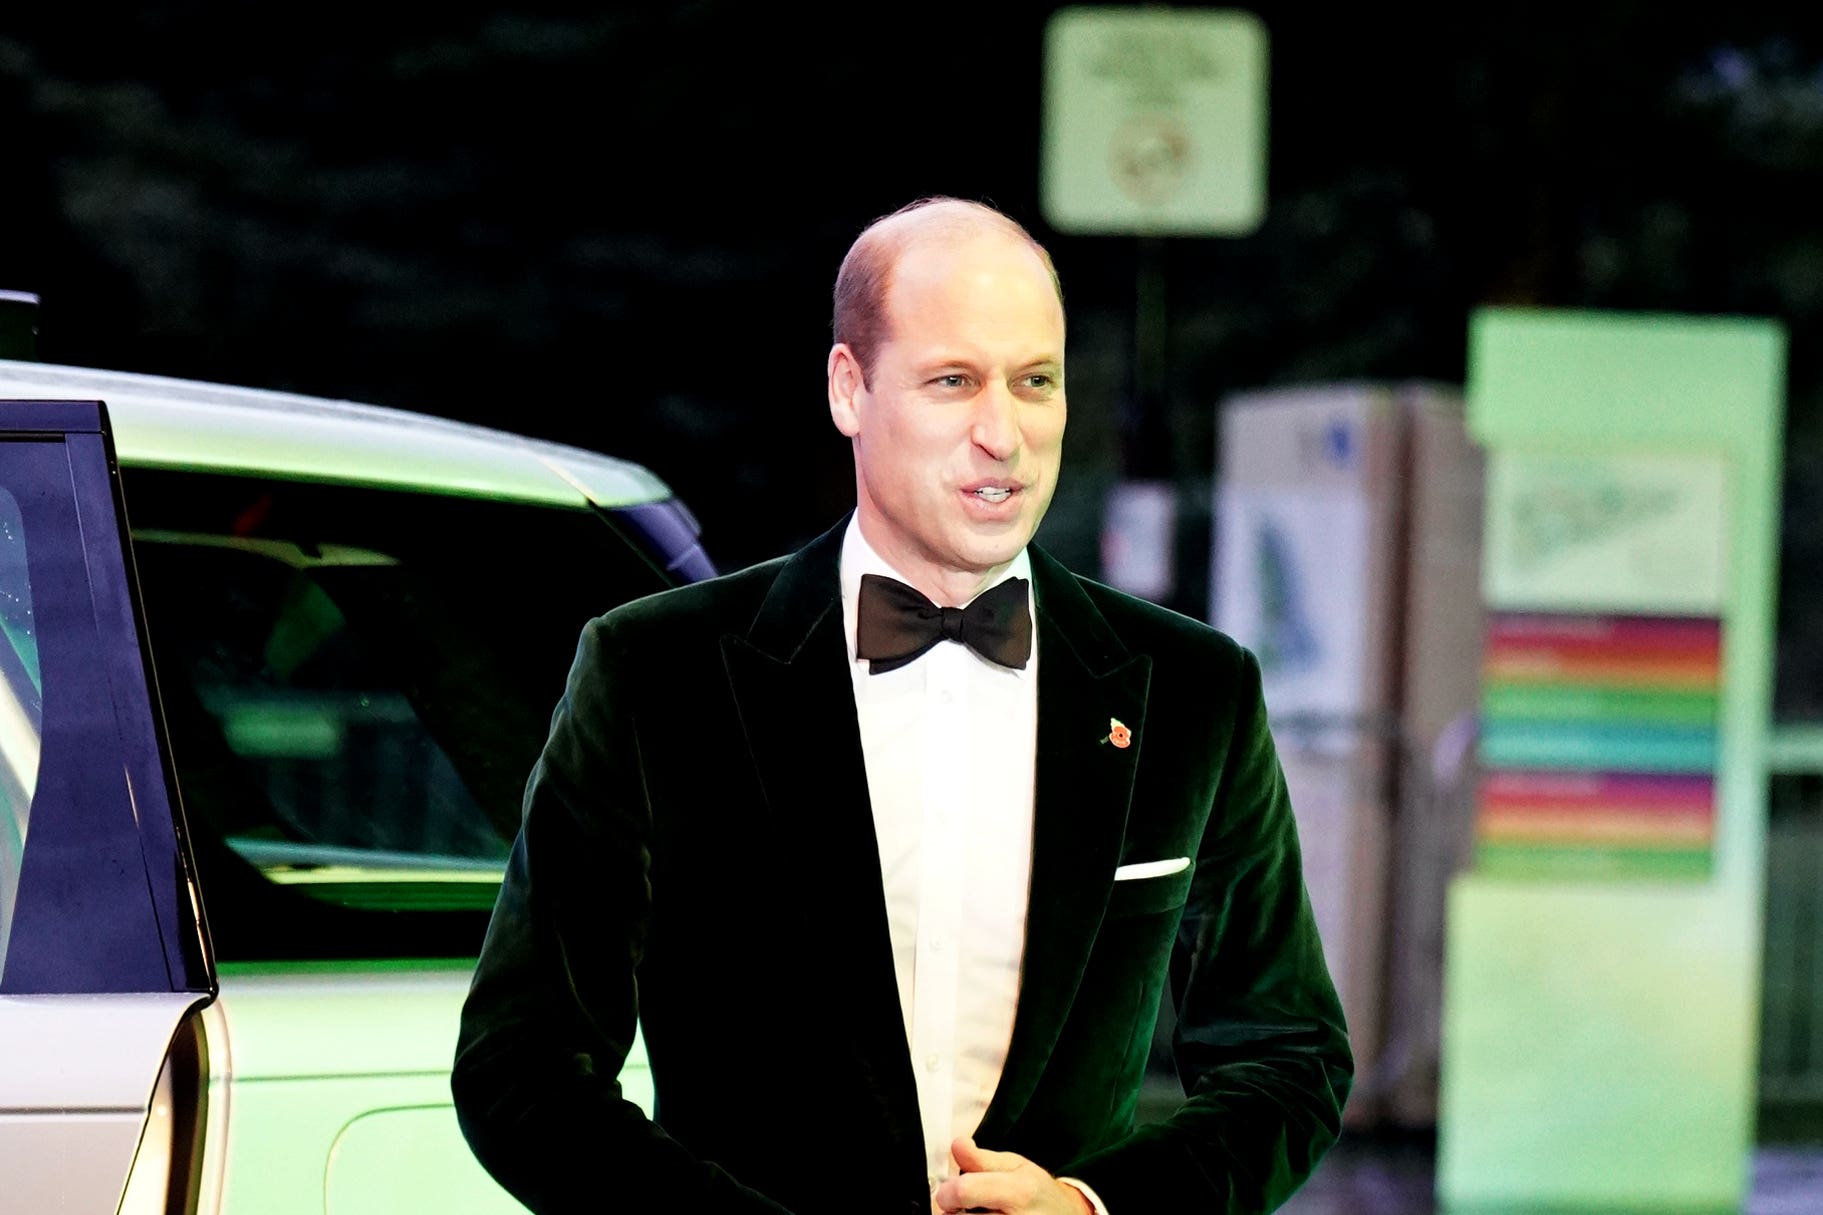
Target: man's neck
{"type": "Point", "coordinates": [943, 587]}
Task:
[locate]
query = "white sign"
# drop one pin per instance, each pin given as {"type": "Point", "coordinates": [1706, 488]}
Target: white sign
{"type": "Point", "coordinates": [1291, 580]}
{"type": "Point", "coordinates": [1154, 121]}
{"type": "Point", "coordinates": [1622, 532]}
{"type": "Point", "coordinates": [1138, 539]}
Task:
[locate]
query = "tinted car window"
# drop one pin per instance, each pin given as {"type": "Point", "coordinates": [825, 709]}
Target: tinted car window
{"type": "Point", "coordinates": [362, 802]}
{"type": "Point", "coordinates": [357, 682]}
{"type": "Point", "coordinates": [93, 893]}
{"type": "Point", "coordinates": [21, 708]}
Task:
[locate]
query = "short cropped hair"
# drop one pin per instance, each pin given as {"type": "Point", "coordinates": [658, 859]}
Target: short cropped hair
{"type": "Point", "coordinates": [860, 318]}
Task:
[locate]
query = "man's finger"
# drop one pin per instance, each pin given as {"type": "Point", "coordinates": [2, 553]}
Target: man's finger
{"type": "Point", "coordinates": [989, 1191]}
{"type": "Point", "coordinates": [973, 1159]}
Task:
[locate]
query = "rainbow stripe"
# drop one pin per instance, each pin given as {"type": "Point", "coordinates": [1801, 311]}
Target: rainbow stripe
{"type": "Point", "coordinates": [1599, 743]}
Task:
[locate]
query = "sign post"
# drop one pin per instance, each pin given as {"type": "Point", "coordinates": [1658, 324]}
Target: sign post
{"type": "Point", "coordinates": [1154, 126]}
{"type": "Point", "coordinates": [1603, 955]}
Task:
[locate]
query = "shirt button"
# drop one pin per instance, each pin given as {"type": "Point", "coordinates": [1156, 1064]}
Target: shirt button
{"type": "Point", "coordinates": [946, 697]}
{"type": "Point", "coordinates": [936, 945]}
{"type": "Point", "coordinates": [932, 1062]}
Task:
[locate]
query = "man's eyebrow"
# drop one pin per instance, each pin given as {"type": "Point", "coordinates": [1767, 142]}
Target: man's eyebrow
{"type": "Point", "coordinates": [939, 362]}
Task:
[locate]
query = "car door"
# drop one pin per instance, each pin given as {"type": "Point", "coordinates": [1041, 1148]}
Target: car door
{"type": "Point", "coordinates": [104, 957]}
{"type": "Point", "coordinates": [356, 679]}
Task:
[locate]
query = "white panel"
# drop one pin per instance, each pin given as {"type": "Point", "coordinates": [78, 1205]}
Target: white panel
{"type": "Point", "coordinates": [84, 1052]}
{"type": "Point", "coordinates": [1629, 532]}
{"type": "Point", "coordinates": [76, 1079]}
{"type": "Point", "coordinates": [66, 1162]}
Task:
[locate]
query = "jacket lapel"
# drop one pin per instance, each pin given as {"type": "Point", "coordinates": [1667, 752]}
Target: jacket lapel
{"type": "Point", "coordinates": [792, 686]}
{"type": "Point", "coordinates": [1081, 793]}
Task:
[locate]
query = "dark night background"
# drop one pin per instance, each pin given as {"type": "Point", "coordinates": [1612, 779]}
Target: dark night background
{"type": "Point", "coordinates": [617, 226]}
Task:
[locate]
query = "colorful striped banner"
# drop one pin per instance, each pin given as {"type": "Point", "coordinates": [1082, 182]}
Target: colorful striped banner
{"type": "Point", "coordinates": [1628, 791]}
{"type": "Point", "coordinates": [1599, 744]}
{"type": "Point", "coordinates": [1583, 745]}
{"type": "Point", "coordinates": [1606, 634]}
{"type": "Point", "coordinates": [1635, 652]}
{"type": "Point", "coordinates": [1579, 861]}
{"type": "Point", "coordinates": [1557, 702]}
{"type": "Point", "coordinates": [1619, 830]}
{"type": "Point", "coordinates": [1639, 672]}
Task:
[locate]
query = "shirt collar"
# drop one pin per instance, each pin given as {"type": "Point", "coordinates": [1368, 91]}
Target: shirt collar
{"type": "Point", "coordinates": [859, 557]}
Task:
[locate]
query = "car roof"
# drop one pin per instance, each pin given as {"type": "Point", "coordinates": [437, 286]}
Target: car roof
{"type": "Point", "coordinates": [171, 423]}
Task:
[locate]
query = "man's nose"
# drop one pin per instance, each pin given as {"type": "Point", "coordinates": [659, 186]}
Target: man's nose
{"type": "Point", "coordinates": [996, 424]}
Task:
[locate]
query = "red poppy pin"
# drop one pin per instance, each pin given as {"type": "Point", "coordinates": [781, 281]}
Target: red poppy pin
{"type": "Point", "coordinates": [1118, 734]}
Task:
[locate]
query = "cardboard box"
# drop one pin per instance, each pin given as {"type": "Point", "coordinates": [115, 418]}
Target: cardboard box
{"type": "Point", "coordinates": [1347, 537]}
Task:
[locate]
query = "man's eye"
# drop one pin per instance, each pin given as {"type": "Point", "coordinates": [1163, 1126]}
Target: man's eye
{"type": "Point", "coordinates": [1039, 380]}
{"type": "Point", "coordinates": [951, 381]}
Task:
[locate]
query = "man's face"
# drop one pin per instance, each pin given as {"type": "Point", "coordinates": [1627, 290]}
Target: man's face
{"type": "Point", "coordinates": [958, 432]}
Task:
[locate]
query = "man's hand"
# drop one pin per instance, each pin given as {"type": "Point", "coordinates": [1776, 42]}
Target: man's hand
{"type": "Point", "coordinates": [1007, 1183]}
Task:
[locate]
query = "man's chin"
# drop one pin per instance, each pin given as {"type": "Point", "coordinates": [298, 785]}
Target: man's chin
{"type": "Point", "coordinates": [986, 549]}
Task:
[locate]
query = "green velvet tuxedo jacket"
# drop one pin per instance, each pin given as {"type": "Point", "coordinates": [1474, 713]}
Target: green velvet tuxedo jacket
{"type": "Point", "coordinates": [698, 851]}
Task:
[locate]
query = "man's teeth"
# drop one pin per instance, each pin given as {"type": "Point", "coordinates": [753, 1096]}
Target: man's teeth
{"type": "Point", "coordinates": [994, 493]}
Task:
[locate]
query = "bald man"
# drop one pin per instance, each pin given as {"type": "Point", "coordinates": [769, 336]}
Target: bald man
{"type": "Point", "coordinates": [893, 845]}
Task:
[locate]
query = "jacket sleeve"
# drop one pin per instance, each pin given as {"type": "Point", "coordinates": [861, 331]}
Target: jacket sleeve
{"type": "Point", "coordinates": [1260, 1041]}
{"type": "Point", "coordinates": [550, 1015]}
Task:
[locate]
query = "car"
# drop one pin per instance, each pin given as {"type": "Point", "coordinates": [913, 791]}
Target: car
{"type": "Point", "coordinates": [273, 671]}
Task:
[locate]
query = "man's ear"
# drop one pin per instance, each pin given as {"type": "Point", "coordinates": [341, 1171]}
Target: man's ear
{"type": "Point", "coordinates": [846, 384]}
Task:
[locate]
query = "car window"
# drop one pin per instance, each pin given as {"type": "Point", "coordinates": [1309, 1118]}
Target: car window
{"type": "Point", "coordinates": [357, 682]}
{"type": "Point", "coordinates": [21, 707]}
{"type": "Point", "coordinates": [94, 896]}
{"type": "Point", "coordinates": [359, 799]}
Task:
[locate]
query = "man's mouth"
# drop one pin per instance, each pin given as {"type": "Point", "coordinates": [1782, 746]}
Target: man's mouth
{"type": "Point", "coordinates": [994, 493]}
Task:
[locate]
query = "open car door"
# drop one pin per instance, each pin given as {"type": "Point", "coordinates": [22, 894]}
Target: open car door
{"type": "Point", "coordinates": [104, 958]}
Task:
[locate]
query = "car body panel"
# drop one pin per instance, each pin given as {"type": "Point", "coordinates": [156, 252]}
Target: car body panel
{"type": "Point", "coordinates": [85, 1052]}
{"type": "Point", "coordinates": [320, 1059]}
{"type": "Point", "coordinates": [68, 1160]}
{"type": "Point", "coordinates": [162, 422]}
{"type": "Point", "coordinates": [280, 1133]}
{"type": "Point", "coordinates": [290, 1021]}
{"type": "Point", "coordinates": [412, 1158]}
{"type": "Point", "coordinates": [76, 1083]}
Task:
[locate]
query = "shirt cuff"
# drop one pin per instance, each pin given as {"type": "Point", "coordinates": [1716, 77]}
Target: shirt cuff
{"type": "Point", "coordinates": [1091, 1195]}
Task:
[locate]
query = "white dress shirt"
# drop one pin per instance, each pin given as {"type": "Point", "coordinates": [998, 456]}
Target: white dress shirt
{"type": "Point", "coordinates": [950, 743]}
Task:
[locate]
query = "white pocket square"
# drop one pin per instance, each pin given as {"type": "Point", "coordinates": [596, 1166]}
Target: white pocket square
{"type": "Point", "coordinates": [1152, 869]}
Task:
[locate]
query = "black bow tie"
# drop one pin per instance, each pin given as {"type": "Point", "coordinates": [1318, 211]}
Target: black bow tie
{"type": "Point", "coordinates": [895, 624]}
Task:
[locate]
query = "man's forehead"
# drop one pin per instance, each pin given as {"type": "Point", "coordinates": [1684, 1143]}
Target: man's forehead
{"type": "Point", "coordinates": [943, 253]}
{"type": "Point", "coordinates": [984, 272]}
